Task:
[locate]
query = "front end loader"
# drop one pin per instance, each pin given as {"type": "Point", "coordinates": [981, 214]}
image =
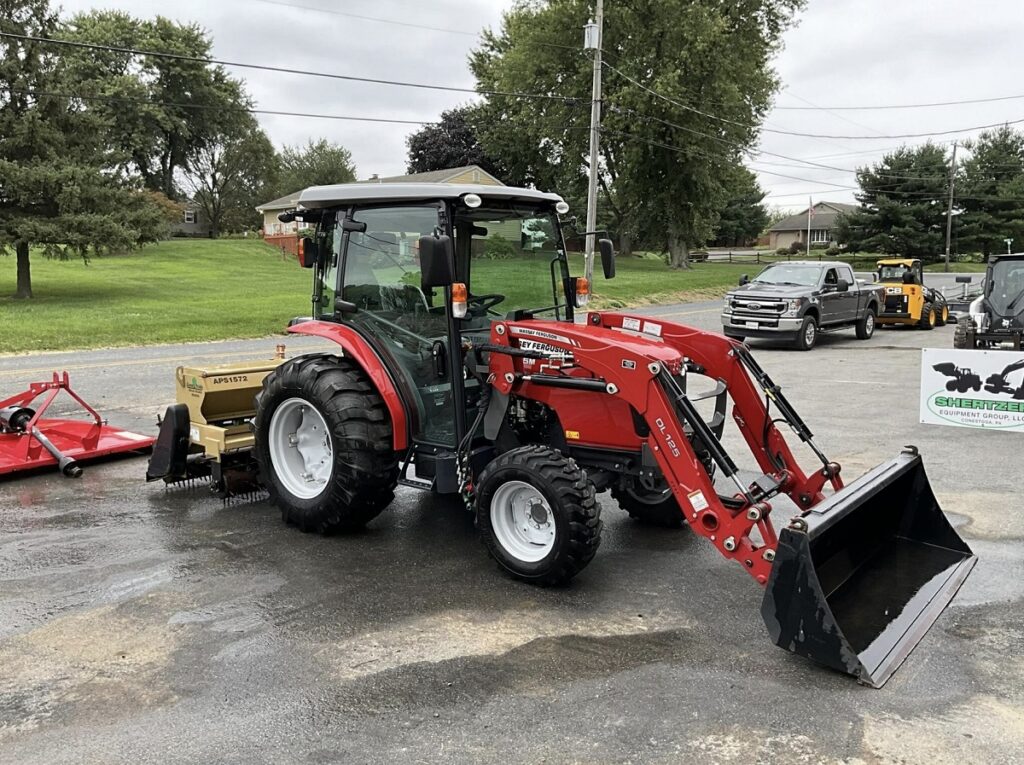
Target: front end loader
{"type": "Point", "coordinates": [452, 376]}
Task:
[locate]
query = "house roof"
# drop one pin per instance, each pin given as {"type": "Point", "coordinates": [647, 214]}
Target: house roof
{"type": "Point", "coordinates": [825, 214]}
{"type": "Point", "coordinates": [286, 202]}
{"type": "Point", "coordinates": [432, 176]}
{"type": "Point", "coordinates": [327, 196]}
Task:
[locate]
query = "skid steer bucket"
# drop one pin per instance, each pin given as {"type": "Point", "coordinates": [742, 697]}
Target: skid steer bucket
{"type": "Point", "coordinates": [859, 579]}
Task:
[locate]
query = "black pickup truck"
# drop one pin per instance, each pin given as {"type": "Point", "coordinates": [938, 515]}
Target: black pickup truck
{"type": "Point", "coordinates": [796, 300]}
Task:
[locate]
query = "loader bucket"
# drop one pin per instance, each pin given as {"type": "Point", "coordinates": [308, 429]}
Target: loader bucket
{"type": "Point", "coordinates": [876, 565]}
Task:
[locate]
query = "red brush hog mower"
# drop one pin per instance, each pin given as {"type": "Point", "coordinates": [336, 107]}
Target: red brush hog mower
{"type": "Point", "coordinates": [529, 413]}
{"type": "Point", "coordinates": [29, 441]}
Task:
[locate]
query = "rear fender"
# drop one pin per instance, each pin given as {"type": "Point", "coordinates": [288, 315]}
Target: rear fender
{"type": "Point", "coordinates": [355, 347]}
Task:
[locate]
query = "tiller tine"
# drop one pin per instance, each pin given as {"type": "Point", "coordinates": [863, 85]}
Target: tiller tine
{"type": "Point", "coordinates": [860, 578]}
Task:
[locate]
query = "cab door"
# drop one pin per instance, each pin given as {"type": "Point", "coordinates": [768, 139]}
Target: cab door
{"type": "Point", "coordinates": [382, 295]}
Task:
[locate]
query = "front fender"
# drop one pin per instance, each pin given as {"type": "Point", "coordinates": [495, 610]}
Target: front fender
{"type": "Point", "coordinates": [355, 347]}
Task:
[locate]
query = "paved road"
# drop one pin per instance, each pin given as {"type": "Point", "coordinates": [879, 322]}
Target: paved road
{"type": "Point", "coordinates": [144, 626]}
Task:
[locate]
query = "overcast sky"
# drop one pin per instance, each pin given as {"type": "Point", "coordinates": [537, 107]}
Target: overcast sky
{"type": "Point", "coordinates": [869, 52]}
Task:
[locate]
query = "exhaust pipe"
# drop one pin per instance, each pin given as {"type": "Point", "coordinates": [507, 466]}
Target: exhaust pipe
{"type": "Point", "coordinates": [16, 419]}
{"type": "Point", "coordinates": [860, 578]}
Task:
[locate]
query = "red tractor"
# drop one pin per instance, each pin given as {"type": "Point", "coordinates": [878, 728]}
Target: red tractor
{"type": "Point", "coordinates": [465, 366]}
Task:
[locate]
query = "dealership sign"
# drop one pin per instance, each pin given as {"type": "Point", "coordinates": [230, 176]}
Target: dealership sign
{"type": "Point", "coordinates": [973, 389]}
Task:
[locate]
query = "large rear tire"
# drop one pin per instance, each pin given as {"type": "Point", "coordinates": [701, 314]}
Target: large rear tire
{"type": "Point", "coordinates": [324, 444]}
{"type": "Point", "coordinates": [537, 515]}
{"type": "Point", "coordinates": [651, 508]}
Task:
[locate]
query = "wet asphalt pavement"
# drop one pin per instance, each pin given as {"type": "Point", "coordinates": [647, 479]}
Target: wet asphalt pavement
{"type": "Point", "coordinates": [141, 625]}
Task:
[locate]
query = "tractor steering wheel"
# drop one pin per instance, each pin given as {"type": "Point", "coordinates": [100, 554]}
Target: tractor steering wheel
{"type": "Point", "coordinates": [481, 304]}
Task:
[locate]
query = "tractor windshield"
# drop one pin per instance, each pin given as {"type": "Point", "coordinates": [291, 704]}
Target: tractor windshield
{"type": "Point", "coordinates": [512, 258]}
{"type": "Point", "coordinates": [1007, 285]}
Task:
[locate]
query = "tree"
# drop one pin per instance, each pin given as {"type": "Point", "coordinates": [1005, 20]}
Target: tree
{"type": "Point", "coordinates": [744, 215]}
{"type": "Point", "coordinates": [688, 83]}
{"type": "Point", "coordinates": [59, 190]}
{"type": "Point", "coordinates": [451, 142]}
{"type": "Point", "coordinates": [990, 192]}
{"type": "Point", "coordinates": [161, 112]}
{"type": "Point", "coordinates": [228, 177]}
{"type": "Point", "coordinates": [903, 202]}
{"type": "Point", "coordinates": [315, 164]}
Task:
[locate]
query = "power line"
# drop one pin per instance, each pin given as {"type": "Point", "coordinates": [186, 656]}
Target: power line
{"type": "Point", "coordinates": [808, 135]}
{"type": "Point", "coordinates": [899, 106]}
{"type": "Point", "coordinates": [181, 105]}
{"type": "Point", "coordinates": [395, 22]}
{"type": "Point", "coordinates": [284, 70]}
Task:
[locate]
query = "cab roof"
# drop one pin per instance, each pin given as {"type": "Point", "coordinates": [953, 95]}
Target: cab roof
{"type": "Point", "coordinates": [316, 197]}
{"type": "Point", "coordinates": [897, 262]}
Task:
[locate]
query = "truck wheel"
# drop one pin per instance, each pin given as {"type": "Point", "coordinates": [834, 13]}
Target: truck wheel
{"type": "Point", "coordinates": [942, 317]}
{"type": "Point", "coordinates": [928, 317]}
{"type": "Point", "coordinates": [323, 444]}
{"type": "Point", "coordinates": [537, 515]}
{"type": "Point", "coordinates": [808, 334]}
{"type": "Point", "coordinates": [652, 508]}
{"type": "Point", "coordinates": [963, 324]}
{"type": "Point", "coordinates": [866, 325]}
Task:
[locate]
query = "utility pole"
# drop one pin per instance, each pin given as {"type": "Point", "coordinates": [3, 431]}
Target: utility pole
{"type": "Point", "coordinates": [810, 208]}
{"type": "Point", "coordinates": [949, 208]}
{"type": "Point", "coordinates": [592, 41]}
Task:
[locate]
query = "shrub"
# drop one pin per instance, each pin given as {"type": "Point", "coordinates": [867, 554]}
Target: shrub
{"type": "Point", "coordinates": [497, 247]}
{"type": "Point", "coordinates": [782, 251]}
{"type": "Point", "coordinates": [833, 251]}
{"type": "Point", "coordinates": [796, 248]}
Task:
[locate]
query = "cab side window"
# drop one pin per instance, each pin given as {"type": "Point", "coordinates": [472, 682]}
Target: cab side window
{"type": "Point", "coordinates": [831, 278]}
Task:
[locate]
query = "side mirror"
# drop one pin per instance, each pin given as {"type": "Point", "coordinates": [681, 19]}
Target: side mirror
{"type": "Point", "coordinates": [307, 252]}
{"type": "Point", "coordinates": [744, 280]}
{"type": "Point", "coordinates": [607, 257]}
{"type": "Point", "coordinates": [436, 261]}
{"type": "Point", "coordinates": [842, 286]}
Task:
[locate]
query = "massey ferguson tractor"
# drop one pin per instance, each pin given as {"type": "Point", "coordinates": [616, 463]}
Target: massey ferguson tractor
{"type": "Point", "coordinates": [467, 364]}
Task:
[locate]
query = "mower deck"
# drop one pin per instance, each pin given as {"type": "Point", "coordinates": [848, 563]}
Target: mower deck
{"type": "Point", "coordinates": [77, 440]}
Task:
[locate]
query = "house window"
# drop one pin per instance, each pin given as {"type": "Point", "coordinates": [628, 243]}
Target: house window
{"type": "Point", "coordinates": [191, 216]}
{"type": "Point", "coordinates": [819, 236]}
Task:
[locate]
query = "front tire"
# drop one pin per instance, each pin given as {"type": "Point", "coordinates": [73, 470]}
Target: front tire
{"type": "Point", "coordinates": [323, 444]}
{"type": "Point", "coordinates": [928, 317]}
{"type": "Point", "coordinates": [537, 515]}
{"type": "Point", "coordinates": [866, 325]}
{"type": "Point", "coordinates": [960, 333]}
{"type": "Point", "coordinates": [808, 334]}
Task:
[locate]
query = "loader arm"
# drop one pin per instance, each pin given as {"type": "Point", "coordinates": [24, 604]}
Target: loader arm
{"type": "Point", "coordinates": [854, 581]}
{"type": "Point", "coordinates": [640, 368]}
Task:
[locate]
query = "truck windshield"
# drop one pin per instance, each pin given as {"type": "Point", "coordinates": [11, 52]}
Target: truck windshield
{"type": "Point", "coordinates": [1007, 296]}
{"type": "Point", "coordinates": [793, 274]}
{"type": "Point", "coordinates": [512, 258]}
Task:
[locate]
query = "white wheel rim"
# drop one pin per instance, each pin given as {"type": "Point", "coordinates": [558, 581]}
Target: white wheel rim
{"type": "Point", "coordinates": [809, 334]}
{"type": "Point", "coordinates": [300, 448]}
{"type": "Point", "coordinates": [869, 323]}
{"type": "Point", "coordinates": [523, 522]}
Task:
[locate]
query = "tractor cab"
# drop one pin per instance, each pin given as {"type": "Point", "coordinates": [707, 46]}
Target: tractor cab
{"type": "Point", "coordinates": [907, 300]}
{"type": "Point", "coordinates": [421, 269]}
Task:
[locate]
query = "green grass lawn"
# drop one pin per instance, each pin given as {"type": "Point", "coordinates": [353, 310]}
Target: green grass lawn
{"type": "Point", "coordinates": [199, 290]}
{"type": "Point", "coordinates": [176, 291]}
